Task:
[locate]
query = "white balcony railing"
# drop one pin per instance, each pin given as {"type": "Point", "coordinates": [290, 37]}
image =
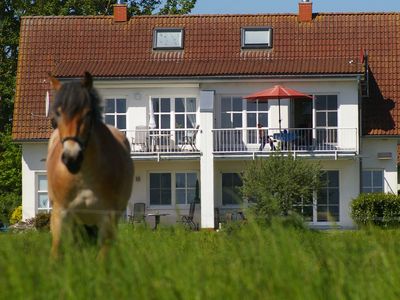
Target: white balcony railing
{"type": "Point", "coordinates": [291, 139]}
{"type": "Point", "coordinates": [150, 141]}
{"type": "Point", "coordinates": [243, 140]}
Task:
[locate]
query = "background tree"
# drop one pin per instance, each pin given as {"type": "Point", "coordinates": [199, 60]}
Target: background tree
{"type": "Point", "coordinates": [279, 182]}
{"type": "Point", "coordinates": [11, 12]}
{"type": "Point", "coordinates": [10, 175]}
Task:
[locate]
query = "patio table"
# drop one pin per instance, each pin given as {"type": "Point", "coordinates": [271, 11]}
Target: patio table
{"type": "Point", "coordinates": [157, 217]}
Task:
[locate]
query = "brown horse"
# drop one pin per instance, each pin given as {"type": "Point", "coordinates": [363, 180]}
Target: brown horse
{"type": "Point", "coordinates": [90, 172]}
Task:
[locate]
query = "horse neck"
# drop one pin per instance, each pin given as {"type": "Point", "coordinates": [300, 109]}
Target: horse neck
{"type": "Point", "coordinates": [94, 147]}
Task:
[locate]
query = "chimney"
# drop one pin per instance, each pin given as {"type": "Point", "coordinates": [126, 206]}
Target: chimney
{"type": "Point", "coordinates": [120, 12]}
{"type": "Point", "coordinates": [305, 11]}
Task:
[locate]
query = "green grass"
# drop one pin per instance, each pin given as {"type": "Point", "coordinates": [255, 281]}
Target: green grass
{"type": "Point", "coordinates": [247, 263]}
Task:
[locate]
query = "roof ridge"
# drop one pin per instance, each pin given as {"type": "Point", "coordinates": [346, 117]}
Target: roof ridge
{"type": "Point", "coordinates": [211, 15]}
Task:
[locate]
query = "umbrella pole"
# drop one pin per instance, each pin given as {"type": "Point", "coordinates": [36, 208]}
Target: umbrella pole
{"type": "Point", "coordinates": [279, 109]}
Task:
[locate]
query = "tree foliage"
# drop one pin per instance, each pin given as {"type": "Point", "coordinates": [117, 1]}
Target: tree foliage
{"type": "Point", "coordinates": [10, 174]}
{"type": "Point", "coordinates": [279, 182]}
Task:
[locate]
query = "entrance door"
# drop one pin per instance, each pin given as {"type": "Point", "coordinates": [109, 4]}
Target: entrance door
{"type": "Point", "coordinates": [302, 121]}
{"type": "Point", "coordinates": [302, 113]}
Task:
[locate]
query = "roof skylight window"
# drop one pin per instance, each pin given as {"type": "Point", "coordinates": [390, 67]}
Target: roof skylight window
{"type": "Point", "coordinates": [256, 37]}
{"type": "Point", "coordinates": [168, 39]}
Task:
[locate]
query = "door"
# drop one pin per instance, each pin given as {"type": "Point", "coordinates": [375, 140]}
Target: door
{"type": "Point", "coordinates": [302, 121]}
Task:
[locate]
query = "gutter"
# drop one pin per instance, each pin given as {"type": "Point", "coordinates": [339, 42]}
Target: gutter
{"type": "Point", "coordinates": [224, 77]}
{"type": "Point", "coordinates": [376, 136]}
{"type": "Point", "coordinates": [30, 141]}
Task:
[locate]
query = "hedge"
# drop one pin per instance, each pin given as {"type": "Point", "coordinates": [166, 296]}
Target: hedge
{"type": "Point", "coordinates": [376, 209]}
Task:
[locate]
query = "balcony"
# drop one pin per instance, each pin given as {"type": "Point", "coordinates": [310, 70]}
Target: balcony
{"type": "Point", "coordinates": [163, 143]}
{"type": "Point", "coordinates": [243, 142]}
{"type": "Point", "coordinates": [321, 142]}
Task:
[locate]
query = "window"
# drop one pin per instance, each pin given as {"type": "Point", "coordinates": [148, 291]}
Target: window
{"type": "Point", "coordinates": [180, 110]}
{"type": "Point", "coordinates": [256, 37]}
{"type": "Point", "coordinates": [43, 203]}
{"type": "Point", "coordinates": [172, 188]}
{"type": "Point", "coordinates": [168, 38]}
{"type": "Point", "coordinates": [160, 189]}
{"type": "Point", "coordinates": [328, 197]}
{"type": "Point", "coordinates": [162, 112]}
{"type": "Point", "coordinates": [325, 205]}
{"type": "Point", "coordinates": [326, 117]}
{"type": "Point", "coordinates": [305, 208]}
{"type": "Point", "coordinates": [231, 112]}
{"type": "Point", "coordinates": [231, 182]}
{"type": "Point", "coordinates": [115, 112]}
{"type": "Point", "coordinates": [257, 113]}
{"type": "Point", "coordinates": [185, 184]}
{"type": "Point", "coordinates": [372, 181]}
{"type": "Point", "coordinates": [185, 112]}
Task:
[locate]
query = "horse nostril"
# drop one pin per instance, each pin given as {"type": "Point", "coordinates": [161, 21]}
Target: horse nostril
{"type": "Point", "coordinates": [64, 158]}
{"type": "Point", "coordinates": [73, 163]}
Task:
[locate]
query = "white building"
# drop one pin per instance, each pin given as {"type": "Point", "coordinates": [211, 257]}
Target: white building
{"type": "Point", "coordinates": [176, 86]}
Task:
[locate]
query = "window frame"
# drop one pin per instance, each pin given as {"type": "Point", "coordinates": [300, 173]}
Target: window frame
{"type": "Point", "coordinates": [302, 205]}
{"type": "Point", "coordinates": [186, 188]}
{"type": "Point", "coordinates": [156, 31]}
{"type": "Point", "coordinates": [231, 112]}
{"type": "Point", "coordinates": [328, 205]}
{"type": "Point", "coordinates": [172, 112]}
{"type": "Point", "coordinates": [244, 30]}
{"type": "Point", "coordinates": [326, 134]}
{"type": "Point", "coordinates": [230, 205]}
{"type": "Point", "coordinates": [115, 114]}
{"type": "Point", "coordinates": [173, 189]}
{"type": "Point", "coordinates": [252, 134]}
{"type": "Point", "coordinates": [39, 192]}
{"type": "Point", "coordinates": [373, 187]}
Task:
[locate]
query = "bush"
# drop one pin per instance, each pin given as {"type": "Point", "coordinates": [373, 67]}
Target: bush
{"type": "Point", "coordinates": [42, 221]}
{"type": "Point", "coordinates": [8, 203]}
{"type": "Point", "coordinates": [277, 183]}
{"type": "Point", "coordinates": [16, 215]}
{"type": "Point", "coordinates": [376, 209]}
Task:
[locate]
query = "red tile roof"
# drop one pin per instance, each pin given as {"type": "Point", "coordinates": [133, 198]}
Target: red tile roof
{"type": "Point", "coordinates": [330, 44]}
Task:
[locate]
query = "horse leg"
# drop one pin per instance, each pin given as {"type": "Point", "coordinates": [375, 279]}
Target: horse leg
{"type": "Point", "coordinates": [55, 227]}
{"type": "Point", "coordinates": [107, 232]}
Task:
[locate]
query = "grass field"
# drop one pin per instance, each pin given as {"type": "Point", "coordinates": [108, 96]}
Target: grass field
{"type": "Point", "coordinates": [170, 263]}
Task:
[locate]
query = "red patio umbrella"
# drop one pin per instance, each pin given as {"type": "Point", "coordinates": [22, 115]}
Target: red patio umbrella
{"type": "Point", "coordinates": [277, 92]}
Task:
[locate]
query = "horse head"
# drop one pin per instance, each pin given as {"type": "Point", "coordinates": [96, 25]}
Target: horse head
{"type": "Point", "coordinates": [75, 110]}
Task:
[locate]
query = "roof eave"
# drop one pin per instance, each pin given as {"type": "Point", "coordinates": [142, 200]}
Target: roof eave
{"type": "Point", "coordinates": [216, 77]}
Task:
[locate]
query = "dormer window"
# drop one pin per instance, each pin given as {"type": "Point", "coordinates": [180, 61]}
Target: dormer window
{"type": "Point", "coordinates": [256, 37]}
{"type": "Point", "coordinates": [168, 39]}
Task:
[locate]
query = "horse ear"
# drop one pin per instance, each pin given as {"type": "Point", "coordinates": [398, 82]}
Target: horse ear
{"type": "Point", "coordinates": [55, 83]}
{"type": "Point", "coordinates": [87, 80]}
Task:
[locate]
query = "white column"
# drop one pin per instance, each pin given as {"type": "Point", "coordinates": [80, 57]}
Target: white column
{"type": "Point", "coordinates": [207, 159]}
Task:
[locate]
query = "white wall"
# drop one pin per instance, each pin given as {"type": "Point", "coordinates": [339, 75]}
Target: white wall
{"type": "Point", "coordinates": [348, 182]}
{"type": "Point", "coordinates": [141, 187]}
{"type": "Point", "coordinates": [370, 148]}
{"type": "Point", "coordinates": [349, 185]}
{"type": "Point", "coordinates": [138, 95]}
{"type": "Point", "coordinates": [346, 89]}
{"type": "Point", "coordinates": [33, 162]}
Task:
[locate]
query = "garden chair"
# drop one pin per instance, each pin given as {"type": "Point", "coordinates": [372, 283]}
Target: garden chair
{"type": "Point", "coordinates": [138, 213]}
{"type": "Point", "coordinates": [140, 141]}
{"type": "Point", "coordinates": [190, 139]}
{"type": "Point", "coordinates": [187, 220]}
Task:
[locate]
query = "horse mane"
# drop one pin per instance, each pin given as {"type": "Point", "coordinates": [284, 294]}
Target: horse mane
{"type": "Point", "coordinates": [74, 96]}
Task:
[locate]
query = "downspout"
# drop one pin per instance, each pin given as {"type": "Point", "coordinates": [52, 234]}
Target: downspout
{"type": "Point", "coordinates": [360, 99]}
{"type": "Point", "coordinates": [359, 133]}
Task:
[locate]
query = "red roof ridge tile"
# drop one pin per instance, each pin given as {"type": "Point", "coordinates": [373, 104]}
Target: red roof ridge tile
{"type": "Point", "coordinates": [212, 15]}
